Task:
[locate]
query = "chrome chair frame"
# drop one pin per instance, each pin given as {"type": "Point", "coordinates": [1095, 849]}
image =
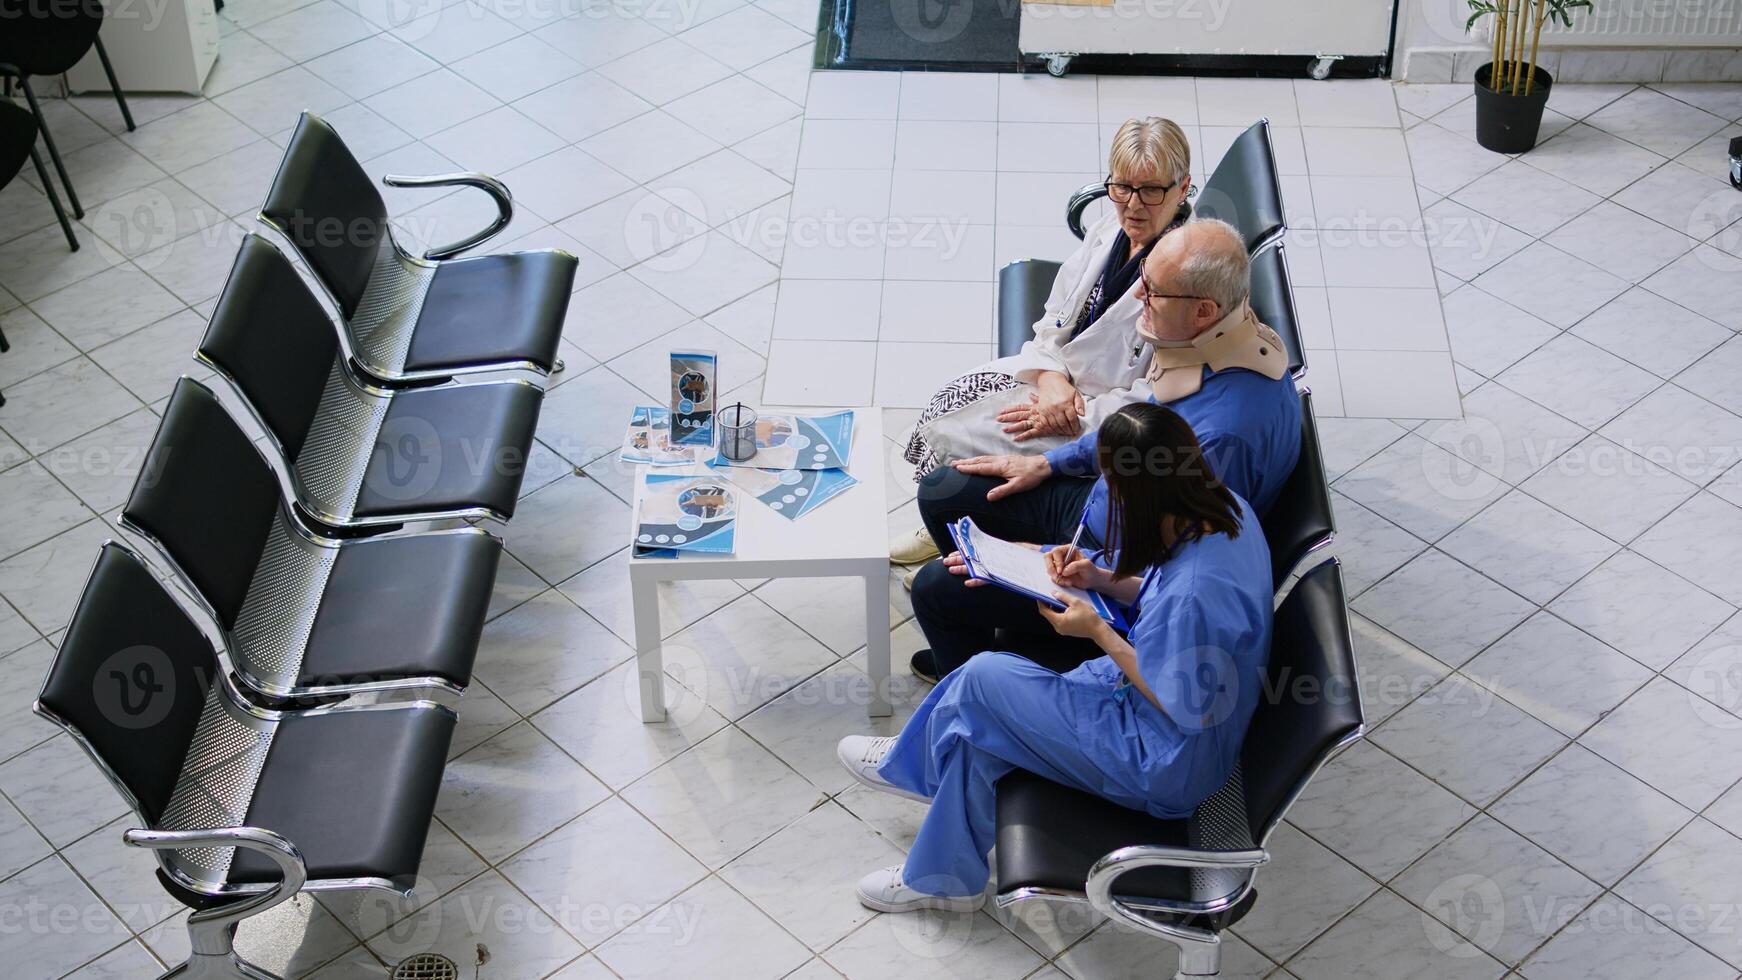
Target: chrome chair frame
{"type": "Point", "coordinates": [194, 853]}
{"type": "Point", "coordinates": [378, 336]}
{"type": "Point", "coordinates": [212, 931]}
{"type": "Point", "coordinates": [1230, 854]}
{"type": "Point", "coordinates": [339, 444]}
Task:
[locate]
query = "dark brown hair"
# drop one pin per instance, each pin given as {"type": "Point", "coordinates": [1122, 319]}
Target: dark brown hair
{"type": "Point", "coordinates": [1155, 470]}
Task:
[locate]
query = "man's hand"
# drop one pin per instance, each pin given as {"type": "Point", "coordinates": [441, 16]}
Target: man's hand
{"type": "Point", "coordinates": [959, 566]}
{"type": "Point", "coordinates": [1019, 473]}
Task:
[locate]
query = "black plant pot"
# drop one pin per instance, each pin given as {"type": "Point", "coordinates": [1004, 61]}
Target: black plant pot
{"type": "Point", "coordinates": [1507, 123]}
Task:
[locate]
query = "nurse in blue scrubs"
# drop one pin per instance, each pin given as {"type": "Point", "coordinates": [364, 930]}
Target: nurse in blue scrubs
{"type": "Point", "coordinates": [1154, 723]}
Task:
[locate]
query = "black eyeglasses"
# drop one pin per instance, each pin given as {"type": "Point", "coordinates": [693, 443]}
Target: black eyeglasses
{"type": "Point", "coordinates": [1150, 194]}
{"type": "Point", "coordinates": [1146, 292]}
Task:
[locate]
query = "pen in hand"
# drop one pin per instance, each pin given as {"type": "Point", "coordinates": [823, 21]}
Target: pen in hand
{"type": "Point", "coordinates": [1066, 556]}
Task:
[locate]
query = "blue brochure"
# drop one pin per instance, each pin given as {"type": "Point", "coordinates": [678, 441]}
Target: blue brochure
{"type": "Point", "coordinates": [1020, 569]}
{"type": "Point", "coordinates": [692, 397]}
{"type": "Point", "coordinates": [649, 439]}
{"type": "Point", "coordinates": [685, 513]}
{"type": "Point", "coordinates": [799, 442]}
{"type": "Point", "coordinates": [790, 493]}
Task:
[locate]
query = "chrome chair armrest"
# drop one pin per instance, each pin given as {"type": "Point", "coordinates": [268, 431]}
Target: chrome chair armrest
{"type": "Point", "coordinates": [281, 851]}
{"type": "Point", "coordinates": [1079, 202]}
{"type": "Point", "coordinates": [497, 190]}
{"type": "Point", "coordinates": [1111, 867]}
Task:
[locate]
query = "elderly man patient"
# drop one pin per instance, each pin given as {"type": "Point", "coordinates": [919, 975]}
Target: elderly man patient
{"type": "Point", "coordinates": [1224, 372]}
{"type": "Point", "coordinates": [1086, 359]}
{"type": "Point", "coordinates": [1154, 723]}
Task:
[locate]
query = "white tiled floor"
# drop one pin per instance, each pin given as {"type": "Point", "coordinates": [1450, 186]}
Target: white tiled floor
{"type": "Point", "coordinates": [1545, 591]}
{"type": "Point", "coordinates": [951, 176]}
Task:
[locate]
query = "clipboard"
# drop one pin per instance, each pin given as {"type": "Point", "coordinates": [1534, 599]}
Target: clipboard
{"type": "Point", "coordinates": [964, 533]}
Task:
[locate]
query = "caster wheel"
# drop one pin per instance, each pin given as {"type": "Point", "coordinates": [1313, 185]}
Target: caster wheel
{"type": "Point", "coordinates": [1319, 68]}
{"type": "Point", "coordinates": [1058, 65]}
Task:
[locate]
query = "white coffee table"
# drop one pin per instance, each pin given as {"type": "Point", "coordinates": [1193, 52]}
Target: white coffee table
{"type": "Point", "coordinates": [846, 536]}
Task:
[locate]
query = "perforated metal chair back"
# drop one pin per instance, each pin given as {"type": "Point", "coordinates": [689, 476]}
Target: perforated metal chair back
{"type": "Point", "coordinates": [1301, 521]}
{"type": "Point", "coordinates": [1244, 190]}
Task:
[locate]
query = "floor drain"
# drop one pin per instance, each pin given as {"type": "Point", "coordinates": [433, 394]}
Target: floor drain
{"type": "Point", "coordinates": [426, 966]}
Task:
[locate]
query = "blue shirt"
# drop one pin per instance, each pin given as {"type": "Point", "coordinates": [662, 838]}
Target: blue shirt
{"type": "Point", "coordinates": [1201, 629]}
{"type": "Point", "coordinates": [1248, 425]}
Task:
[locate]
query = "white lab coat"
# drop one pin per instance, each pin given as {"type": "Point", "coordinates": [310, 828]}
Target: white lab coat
{"type": "Point", "coordinates": [1107, 362]}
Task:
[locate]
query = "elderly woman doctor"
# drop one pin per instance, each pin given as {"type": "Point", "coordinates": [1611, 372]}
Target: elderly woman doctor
{"type": "Point", "coordinates": [1154, 724]}
{"type": "Point", "coordinates": [1086, 359]}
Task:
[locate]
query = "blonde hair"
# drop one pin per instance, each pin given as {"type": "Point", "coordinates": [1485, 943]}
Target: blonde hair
{"type": "Point", "coordinates": [1151, 144]}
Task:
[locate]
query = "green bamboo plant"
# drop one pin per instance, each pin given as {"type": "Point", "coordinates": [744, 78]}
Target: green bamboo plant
{"type": "Point", "coordinates": [1518, 24]}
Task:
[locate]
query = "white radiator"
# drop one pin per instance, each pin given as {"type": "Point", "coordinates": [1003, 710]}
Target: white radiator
{"type": "Point", "coordinates": [1645, 23]}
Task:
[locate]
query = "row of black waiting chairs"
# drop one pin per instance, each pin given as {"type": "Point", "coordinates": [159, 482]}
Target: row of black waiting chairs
{"type": "Point", "coordinates": [1187, 881]}
{"type": "Point", "coordinates": [288, 686]}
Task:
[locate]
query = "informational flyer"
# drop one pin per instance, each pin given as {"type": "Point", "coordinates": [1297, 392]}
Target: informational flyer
{"type": "Point", "coordinates": [648, 439]}
{"type": "Point", "coordinates": [681, 513]}
{"type": "Point", "coordinates": [692, 397]}
{"type": "Point", "coordinates": [799, 442]}
{"type": "Point", "coordinates": [791, 493]}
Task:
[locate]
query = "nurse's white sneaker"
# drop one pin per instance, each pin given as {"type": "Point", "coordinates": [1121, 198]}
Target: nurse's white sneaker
{"type": "Point", "coordinates": [884, 891]}
{"type": "Point", "coordinates": [914, 548]}
{"type": "Point", "coordinates": [862, 754]}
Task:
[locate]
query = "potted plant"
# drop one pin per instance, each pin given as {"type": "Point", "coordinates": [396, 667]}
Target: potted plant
{"type": "Point", "coordinates": [1511, 90]}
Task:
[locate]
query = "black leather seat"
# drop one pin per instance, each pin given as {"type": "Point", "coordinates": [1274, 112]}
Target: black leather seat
{"type": "Point", "coordinates": [1301, 521]}
{"type": "Point", "coordinates": [1034, 853]}
{"type": "Point", "coordinates": [354, 454]}
{"type": "Point", "coordinates": [410, 319]}
{"type": "Point", "coordinates": [1273, 301]}
{"type": "Point", "coordinates": [404, 607]}
{"type": "Point", "coordinates": [521, 297]}
{"type": "Point", "coordinates": [1244, 190]}
{"type": "Point", "coordinates": [244, 806]}
{"type": "Point", "coordinates": [345, 826]}
{"type": "Point", "coordinates": [1023, 287]}
{"type": "Point", "coordinates": [481, 434]}
{"type": "Point", "coordinates": [1186, 880]}
{"type": "Point", "coordinates": [304, 615]}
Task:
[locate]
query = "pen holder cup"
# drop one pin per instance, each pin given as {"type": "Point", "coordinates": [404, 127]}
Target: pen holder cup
{"type": "Point", "coordinates": [737, 433]}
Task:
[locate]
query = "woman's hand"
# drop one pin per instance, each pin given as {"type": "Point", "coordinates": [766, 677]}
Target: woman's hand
{"type": "Point", "coordinates": [1069, 568]}
{"type": "Point", "coordinates": [1058, 401]}
{"type": "Point", "coordinates": [1078, 618]}
{"type": "Point", "coordinates": [1033, 420]}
